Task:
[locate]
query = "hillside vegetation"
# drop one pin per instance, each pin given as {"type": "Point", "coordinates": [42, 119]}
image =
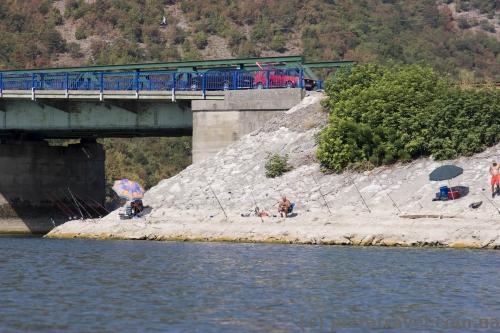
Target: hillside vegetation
{"type": "Point", "coordinates": [44, 33]}
{"type": "Point", "coordinates": [124, 31]}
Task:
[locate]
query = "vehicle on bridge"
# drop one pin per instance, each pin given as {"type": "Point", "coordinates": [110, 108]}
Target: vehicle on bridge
{"type": "Point", "coordinates": [228, 79]}
{"type": "Point", "coordinates": [272, 77]}
{"type": "Point", "coordinates": [224, 79]}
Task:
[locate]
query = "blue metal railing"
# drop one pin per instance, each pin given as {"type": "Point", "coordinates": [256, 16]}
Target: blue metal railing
{"type": "Point", "coordinates": [155, 81]}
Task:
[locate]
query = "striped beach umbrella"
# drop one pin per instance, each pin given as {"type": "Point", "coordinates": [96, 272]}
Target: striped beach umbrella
{"type": "Point", "coordinates": [128, 189]}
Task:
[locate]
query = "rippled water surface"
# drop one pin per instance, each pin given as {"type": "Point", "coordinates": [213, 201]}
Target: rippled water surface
{"type": "Point", "coordinates": [135, 286]}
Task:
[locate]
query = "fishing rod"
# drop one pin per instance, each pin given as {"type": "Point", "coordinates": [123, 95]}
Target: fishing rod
{"type": "Point", "coordinates": [394, 203]}
{"type": "Point", "coordinates": [89, 206]}
{"type": "Point", "coordinates": [491, 202]}
{"type": "Point", "coordinates": [336, 190]}
{"type": "Point", "coordinates": [58, 205]}
{"type": "Point", "coordinates": [321, 193]}
{"type": "Point", "coordinates": [361, 196]}
{"type": "Point", "coordinates": [69, 200]}
{"type": "Point", "coordinates": [216, 198]}
{"type": "Point", "coordinates": [66, 209]}
{"type": "Point", "coordinates": [84, 199]}
{"type": "Point", "coordinates": [98, 204]}
{"type": "Point", "coordinates": [257, 207]}
{"type": "Point", "coordinates": [76, 203]}
{"type": "Point", "coordinates": [82, 206]}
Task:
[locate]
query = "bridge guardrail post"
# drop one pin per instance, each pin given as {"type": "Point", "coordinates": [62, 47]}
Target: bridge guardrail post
{"type": "Point", "coordinates": [101, 86]}
{"type": "Point", "coordinates": [267, 79]}
{"type": "Point", "coordinates": [136, 79]}
{"type": "Point", "coordinates": [1, 85]}
{"type": "Point", "coordinates": [204, 85]}
{"type": "Point", "coordinates": [66, 83]}
{"type": "Point", "coordinates": [173, 86]}
{"type": "Point", "coordinates": [301, 78]}
{"type": "Point", "coordinates": [33, 82]}
{"type": "Point", "coordinates": [235, 80]}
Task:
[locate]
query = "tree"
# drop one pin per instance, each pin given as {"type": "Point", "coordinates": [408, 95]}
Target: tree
{"type": "Point", "coordinates": [383, 114]}
{"type": "Point", "coordinates": [200, 40]}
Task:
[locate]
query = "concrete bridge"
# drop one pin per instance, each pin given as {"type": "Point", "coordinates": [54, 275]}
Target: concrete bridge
{"type": "Point", "coordinates": [216, 102]}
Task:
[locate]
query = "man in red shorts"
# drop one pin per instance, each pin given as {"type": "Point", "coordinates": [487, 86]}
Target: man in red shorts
{"type": "Point", "coordinates": [495, 178]}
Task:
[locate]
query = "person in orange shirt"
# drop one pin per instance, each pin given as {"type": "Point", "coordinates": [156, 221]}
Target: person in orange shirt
{"type": "Point", "coordinates": [495, 178]}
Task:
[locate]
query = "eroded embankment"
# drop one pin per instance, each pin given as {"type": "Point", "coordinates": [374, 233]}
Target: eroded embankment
{"type": "Point", "coordinates": [361, 229]}
{"type": "Point", "coordinates": [366, 208]}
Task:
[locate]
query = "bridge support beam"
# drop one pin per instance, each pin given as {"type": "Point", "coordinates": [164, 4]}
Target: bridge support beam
{"type": "Point", "coordinates": [36, 180]}
{"type": "Point", "coordinates": [217, 124]}
{"type": "Point", "coordinates": [79, 119]}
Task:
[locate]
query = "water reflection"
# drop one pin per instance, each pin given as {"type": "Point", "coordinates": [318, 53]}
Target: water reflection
{"type": "Point", "coordinates": [110, 286]}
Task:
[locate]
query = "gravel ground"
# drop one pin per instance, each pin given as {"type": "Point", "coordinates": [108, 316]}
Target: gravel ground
{"type": "Point", "coordinates": [390, 205]}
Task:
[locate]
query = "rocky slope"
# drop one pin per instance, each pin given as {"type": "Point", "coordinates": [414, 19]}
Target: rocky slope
{"type": "Point", "coordinates": [386, 206]}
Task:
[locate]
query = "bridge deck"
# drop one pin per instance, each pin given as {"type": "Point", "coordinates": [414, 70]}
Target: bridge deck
{"type": "Point", "coordinates": [111, 95]}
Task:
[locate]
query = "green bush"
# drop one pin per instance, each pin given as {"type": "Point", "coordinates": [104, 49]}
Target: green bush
{"type": "Point", "coordinates": [44, 7]}
{"type": "Point", "coordinates": [80, 33]}
{"type": "Point", "coordinates": [463, 23]}
{"type": "Point", "coordinates": [74, 50]}
{"type": "Point", "coordinates": [276, 165]}
{"type": "Point", "coordinates": [380, 115]}
{"type": "Point", "coordinates": [487, 26]}
{"type": "Point", "coordinates": [200, 40]}
{"type": "Point", "coordinates": [55, 17]}
{"type": "Point", "coordinates": [278, 43]}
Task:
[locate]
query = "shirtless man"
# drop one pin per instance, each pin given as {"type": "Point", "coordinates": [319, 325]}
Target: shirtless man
{"type": "Point", "coordinates": [495, 178]}
{"type": "Point", "coordinates": [284, 206]}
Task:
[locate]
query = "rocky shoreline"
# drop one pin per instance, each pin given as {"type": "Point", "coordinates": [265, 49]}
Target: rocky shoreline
{"type": "Point", "coordinates": [387, 206]}
{"type": "Point", "coordinates": [359, 230]}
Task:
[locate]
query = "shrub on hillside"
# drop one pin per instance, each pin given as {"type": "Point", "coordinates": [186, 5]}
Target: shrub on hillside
{"type": "Point", "coordinates": [487, 26]}
{"type": "Point", "coordinates": [276, 165]}
{"type": "Point", "coordinates": [463, 23]}
{"type": "Point", "coordinates": [380, 115]}
{"type": "Point", "coordinates": [81, 33]}
{"type": "Point", "coordinates": [74, 50]}
{"type": "Point", "coordinates": [200, 40]}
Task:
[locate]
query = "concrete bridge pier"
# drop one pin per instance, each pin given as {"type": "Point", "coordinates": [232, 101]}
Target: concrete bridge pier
{"type": "Point", "coordinates": [217, 124]}
{"type": "Point", "coordinates": [36, 180]}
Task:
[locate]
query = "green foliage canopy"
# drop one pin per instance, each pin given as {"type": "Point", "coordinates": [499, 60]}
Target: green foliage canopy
{"type": "Point", "coordinates": [380, 115]}
{"type": "Point", "coordinates": [146, 160]}
{"type": "Point", "coordinates": [276, 165]}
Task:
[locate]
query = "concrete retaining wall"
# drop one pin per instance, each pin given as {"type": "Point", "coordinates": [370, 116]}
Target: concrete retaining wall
{"type": "Point", "coordinates": [216, 124]}
{"type": "Point", "coordinates": [34, 176]}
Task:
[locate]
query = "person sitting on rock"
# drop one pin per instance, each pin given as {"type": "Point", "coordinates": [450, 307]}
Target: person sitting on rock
{"type": "Point", "coordinates": [284, 206]}
{"type": "Point", "coordinates": [137, 207]}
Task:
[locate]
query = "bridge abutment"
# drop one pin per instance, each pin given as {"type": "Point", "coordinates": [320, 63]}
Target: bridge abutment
{"type": "Point", "coordinates": [217, 124]}
{"type": "Point", "coordinates": [38, 183]}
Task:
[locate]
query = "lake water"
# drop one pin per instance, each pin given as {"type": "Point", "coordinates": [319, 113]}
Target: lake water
{"type": "Point", "coordinates": [139, 286]}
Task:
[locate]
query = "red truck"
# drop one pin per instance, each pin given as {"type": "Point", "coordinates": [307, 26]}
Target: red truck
{"type": "Point", "coordinates": [271, 77]}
